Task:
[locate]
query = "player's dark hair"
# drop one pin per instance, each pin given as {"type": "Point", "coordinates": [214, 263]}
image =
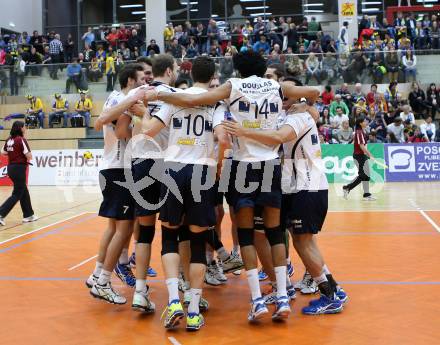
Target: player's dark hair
{"type": "Point", "coordinates": [294, 80]}
{"type": "Point", "coordinates": [144, 59]}
{"type": "Point", "coordinates": [127, 72]}
{"type": "Point", "coordinates": [16, 129]}
{"type": "Point", "coordinates": [280, 69]}
{"type": "Point", "coordinates": [203, 69]}
{"type": "Point", "coordinates": [249, 63]}
{"type": "Point", "coordinates": [359, 122]}
{"type": "Point", "coordinates": [161, 63]}
{"type": "Point", "coordinates": [180, 82]}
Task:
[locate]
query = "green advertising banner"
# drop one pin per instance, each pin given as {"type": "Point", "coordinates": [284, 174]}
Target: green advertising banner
{"type": "Point", "coordinates": [340, 167]}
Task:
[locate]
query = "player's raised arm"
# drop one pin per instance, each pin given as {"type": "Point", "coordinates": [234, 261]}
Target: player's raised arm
{"type": "Point", "coordinates": [189, 101]}
{"type": "Point", "coordinates": [290, 90]}
{"type": "Point", "coordinates": [266, 137]}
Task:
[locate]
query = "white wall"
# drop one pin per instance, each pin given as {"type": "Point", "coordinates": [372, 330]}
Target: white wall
{"type": "Point", "coordinates": [25, 14]}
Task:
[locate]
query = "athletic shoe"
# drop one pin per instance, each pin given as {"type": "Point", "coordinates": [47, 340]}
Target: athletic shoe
{"type": "Point", "coordinates": [290, 269]}
{"type": "Point", "coordinates": [106, 293]}
{"type": "Point", "coordinates": [236, 273]}
{"type": "Point", "coordinates": [2, 221]}
{"type": "Point", "coordinates": [132, 260]}
{"type": "Point", "coordinates": [231, 264]}
{"type": "Point", "coordinates": [151, 272]}
{"type": "Point", "coordinates": [203, 304]}
{"type": "Point", "coordinates": [346, 192]}
{"type": "Point", "coordinates": [270, 297]}
{"type": "Point", "coordinates": [92, 280]}
{"type": "Point", "coordinates": [210, 278]}
{"type": "Point", "coordinates": [323, 305]}
{"type": "Point", "coordinates": [310, 288]}
{"type": "Point", "coordinates": [182, 285]}
{"type": "Point", "coordinates": [291, 293]}
{"type": "Point", "coordinates": [174, 313]}
{"type": "Point", "coordinates": [342, 295]}
{"type": "Point", "coordinates": [194, 322]}
{"type": "Point", "coordinates": [125, 274]}
{"type": "Point", "coordinates": [142, 303]}
{"type": "Point", "coordinates": [369, 198]}
{"type": "Point", "coordinates": [262, 275]}
{"type": "Point", "coordinates": [258, 309]}
{"type": "Point", "coordinates": [303, 282]}
{"type": "Point", "coordinates": [282, 309]}
{"type": "Point", "coordinates": [32, 218]}
{"type": "Point", "coordinates": [218, 272]}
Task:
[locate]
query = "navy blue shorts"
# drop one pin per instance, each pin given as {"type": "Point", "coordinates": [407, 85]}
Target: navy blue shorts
{"type": "Point", "coordinates": [219, 195]}
{"type": "Point", "coordinates": [147, 200]}
{"type": "Point", "coordinates": [117, 201]}
{"type": "Point", "coordinates": [267, 195]}
{"type": "Point", "coordinates": [307, 211]}
{"type": "Point", "coordinates": [198, 206]}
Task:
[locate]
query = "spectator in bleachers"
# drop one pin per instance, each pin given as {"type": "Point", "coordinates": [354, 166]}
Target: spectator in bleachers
{"type": "Point", "coordinates": [296, 66]}
{"type": "Point", "coordinates": [391, 94]}
{"type": "Point", "coordinates": [94, 70]}
{"type": "Point", "coordinates": [125, 51]}
{"type": "Point", "coordinates": [55, 49]}
{"type": "Point", "coordinates": [433, 98]}
{"type": "Point", "coordinates": [83, 107]}
{"type": "Point", "coordinates": [336, 121]}
{"type": "Point", "coordinates": [262, 45]}
{"type": "Point", "coordinates": [226, 69]}
{"type": "Point", "coordinates": [88, 37]}
{"type": "Point", "coordinates": [345, 134]}
{"type": "Point", "coordinates": [69, 47]}
{"type": "Point", "coordinates": [395, 129]}
{"type": "Point", "coordinates": [343, 38]}
{"type": "Point", "coordinates": [153, 47]}
{"type": "Point", "coordinates": [319, 104]}
{"type": "Point", "coordinates": [373, 139]}
{"type": "Point", "coordinates": [313, 68]}
{"type": "Point", "coordinates": [123, 34]}
{"type": "Point", "coordinates": [113, 38]}
{"type": "Point", "coordinates": [343, 66]}
{"type": "Point", "coordinates": [372, 94]}
{"type": "Point", "coordinates": [35, 109]}
{"type": "Point", "coordinates": [328, 95]}
{"type": "Point", "coordinates": [418, 136]}
{"type": "Point", "coordinates": [176, 49]}
{"type": "Point", "coordinates": [392, 64]}
{"type": "Point", "coordinates": [60, 108]}
{"type": "Point", "coordinates": [329, 67]}
{"type": "Point", "coordinates": [88, 53]}
{"type": "Point", "coordinates": [417, 99]}
{"type": "Point", "coordinates": [409, 62]}
{"type": "Point", "coordinates": [110, 72]}
{"type": "Point", "coordinates": [427, 128]}
{"type": "Point", "coordinates": [379, 126]}
{"type": "Point", "coordinates": [434, 35]}
{"type": "Point", "coordinates": [338, 103]}
{"type": "Point", "coordinates": [407, 115]}
{"type": "Point", "coordinates": [325, 117]}
{"type": "Point", "coordinates": [135, 41]}
{"type": "Point", "coordinates": [33, 62]}
{"type": "Point", "coordinates": [73, 75]}
{"type": "Point", "coordinates": [377, 66]}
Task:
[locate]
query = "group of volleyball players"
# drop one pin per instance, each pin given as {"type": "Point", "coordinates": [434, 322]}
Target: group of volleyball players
{"type": "Point", "coordinates": [175, 153]}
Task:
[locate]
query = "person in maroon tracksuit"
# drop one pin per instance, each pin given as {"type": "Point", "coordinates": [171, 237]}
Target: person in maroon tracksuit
{"type": "Point", "coordinates": [19, 154]}
{"type": "Point", "coordinates": [361, 155]}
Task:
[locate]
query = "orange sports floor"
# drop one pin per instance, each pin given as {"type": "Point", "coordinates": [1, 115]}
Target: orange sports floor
{"type": "Point", "coordinates": [387, 261]}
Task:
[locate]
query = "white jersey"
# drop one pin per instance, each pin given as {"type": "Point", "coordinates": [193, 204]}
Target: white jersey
{"type": "Point", "coordinates": [221, 113]}
{"type": "Point", "coordinates": [114, 148]}
{"type": "Point", "coordinates": [141, 147]}
{"type": "Point", "coordinates": [303, 167]}
{"type": "Point", "coordinates": [255, 103]}
{"type": "Point", "coordinates": [191, 138]}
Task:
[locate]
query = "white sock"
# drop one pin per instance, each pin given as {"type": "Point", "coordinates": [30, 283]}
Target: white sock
{"type": "Point", "coordinates": [98, 269]}
{"type": "Point", "coordinates": [254, 283]}
{"type": "Point", "coordinates": [321, 279]}
{"type": "Point", "coordinates": [141, 285]}
{"type": "Point", "coordinates": [104, 277]}
{"type": "Point", "coordinates": [222, 254]}
{"type": "Point", "coordinates": [209, 256]}
{"type": "Point", "coordinates": [173, 289]}
{"type": "Point", "coordinates": [193, 307]}
{"type": "Point", "coordinates": [325, 270]}
{"type": "Point", "coordinates": [280, 273]}
{"type": "Point", "coordinates": [123, 258]}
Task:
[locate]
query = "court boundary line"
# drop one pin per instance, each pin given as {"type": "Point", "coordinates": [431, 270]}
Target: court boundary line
{"type": "Point", "coordinates": [174, 341]}
{"type": "Point", "coordinates": [45, 227]}
{"type": "Point", "coordinates": [82, 262]}
{"type": "Point", "coordinates": [423, 213]}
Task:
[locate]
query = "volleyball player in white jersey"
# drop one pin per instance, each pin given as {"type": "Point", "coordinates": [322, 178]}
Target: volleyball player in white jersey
{"type": "Point", "coordinates": [117, 204]}
{"type": "Point", "coordinates": [190, 194]}
{"type": "Point", "coordinates": [255, 102]}
{"type": "Point", "coordinates": [307, 205]}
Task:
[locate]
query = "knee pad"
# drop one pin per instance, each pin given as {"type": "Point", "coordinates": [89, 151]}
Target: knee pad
{"type": "Point", "coordinates": [245, 237]}
{"type": "Point", "coordinates": [146, 233]}
{"type": "Point", "coordinates": [275, 235]}
{"type": "Point", "coordinates": [212, 239]}
{"type": "Point", "coordinates": [198, 247]}
{"type": "Point", "coordinates": [184, 233]}
{"type": "Point", "coordinates": [170, 242]}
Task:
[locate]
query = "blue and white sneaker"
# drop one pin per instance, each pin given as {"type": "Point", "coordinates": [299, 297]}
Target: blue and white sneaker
{"type": "Point", "coordinates": [258, 309]}
{"type": "Point", "coordinates": [282, 309]}
{"type": "Point", "coordinates": [270, 297]}
{"type": "Point", "coordinates": [290, 269]}
{"type": "Point", "coordinates": [323, 305]}
{"type": "Point", "coordinates": [132, 260]}
{"type": "Point", "coordinates": [342, 295]}
{"type": "Point", "coordinates": [262, 275]}
{"type": "Point", "coordinates": [151, 272]}
{"type": "Point", "coordinates": [291, 292]}
{"type": "Point", "coordinates": [125, 274]}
